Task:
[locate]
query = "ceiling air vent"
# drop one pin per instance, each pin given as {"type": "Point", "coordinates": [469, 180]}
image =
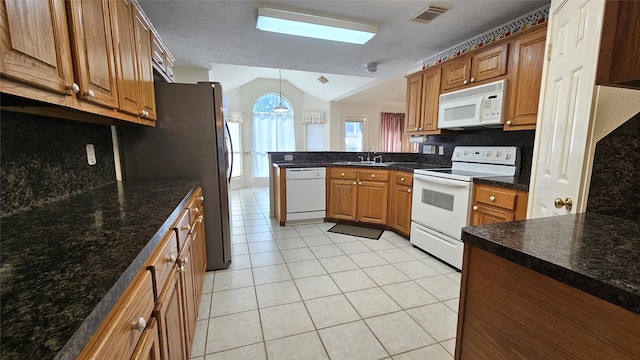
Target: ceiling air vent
{"type": "Point", "coordinates": [323, 79]}
{"type": "Point", "coordinates": [429, 14]}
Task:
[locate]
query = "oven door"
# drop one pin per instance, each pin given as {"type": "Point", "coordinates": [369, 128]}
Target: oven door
{"type": "Point", "coordinates": [441, 204]}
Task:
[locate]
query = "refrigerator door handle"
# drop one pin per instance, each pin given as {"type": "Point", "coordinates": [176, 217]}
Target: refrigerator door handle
{"type": "Point", "coordinates": [226, 125]}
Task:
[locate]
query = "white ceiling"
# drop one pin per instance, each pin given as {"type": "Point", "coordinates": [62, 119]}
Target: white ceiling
{"type": "Point", "coordinates": [220, 35]}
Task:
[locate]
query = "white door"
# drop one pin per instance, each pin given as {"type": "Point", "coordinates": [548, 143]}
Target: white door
{"type": "Point", "coordinates": [564, 123]}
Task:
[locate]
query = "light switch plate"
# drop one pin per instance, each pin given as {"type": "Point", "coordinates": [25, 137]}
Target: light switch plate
{"type": "Point", "coordinates": [91, 154]}
{"type": "Point", "coordinates": [288, 157]}
{"type": "Point", "coordinates": [440, 150]}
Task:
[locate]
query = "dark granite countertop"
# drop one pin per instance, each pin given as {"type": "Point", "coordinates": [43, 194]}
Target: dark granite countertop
{"type": "Point", "coordinates": [511, 182]}
{"type": "Point", "coordinates": [400, 165]}
{"type": "Point", "coordinates": [597, 254]}
{"type": "Point", "coordinates": [64, 265]}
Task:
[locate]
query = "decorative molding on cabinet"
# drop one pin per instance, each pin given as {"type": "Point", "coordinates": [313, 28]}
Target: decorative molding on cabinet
{"type": "Point", "coordinates": [527, 21]}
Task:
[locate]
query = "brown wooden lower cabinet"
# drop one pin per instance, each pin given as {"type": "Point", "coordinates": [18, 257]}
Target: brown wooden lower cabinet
{"type": "Point", "coordinates": [400, 203]}
{"type": "Point", "coordinates": [510, 312]}
{"type": "Point", "coordinates": [155, 318]}
{"type": "Point", "coordinates": [171, 320]}
{"type": "Point", "coordinates": [149, 344]}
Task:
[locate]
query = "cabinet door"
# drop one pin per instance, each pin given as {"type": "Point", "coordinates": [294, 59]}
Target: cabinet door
{"type": "Point", "coordinates": [125, 55]}
{"type": "Point", "coordinates": [170, 316]}
{"type": "Point", "coordinates": [186, 268]}
{"type": "Point", "coordinates": [489, 63]}
{"type": "Point", "coordinates": [401, 209]}
{"type": "Point", "coordinates": [149, 345]}
{"type": "Point", "coordinates": [93, 51]}
{"type": "Point", "coordinates": [35, 44]}
{"type": "Point", "coordinates": [414, 100]}
{"type": "Point", "coordinates": [145, 68]}
{"type": "Point", "coordinates": [455, 73]}
{"type": "Point", "coordinates": [483, 214]}
{"type": "Point", "coordinates": [342, 201]}
{"type": "Point", "coordinates": [430, 99]}
{"type": "Point", "coordinates": [525, 76]}
{"type": "Point", "coordinates": [372, 202]}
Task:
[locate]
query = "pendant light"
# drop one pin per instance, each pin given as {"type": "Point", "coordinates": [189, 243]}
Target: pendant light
{"type": "Point", "coordinates": [280, 108]}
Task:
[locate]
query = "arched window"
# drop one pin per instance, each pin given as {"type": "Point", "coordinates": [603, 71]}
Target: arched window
{"type": "Point", "coordinates": [272, 131]}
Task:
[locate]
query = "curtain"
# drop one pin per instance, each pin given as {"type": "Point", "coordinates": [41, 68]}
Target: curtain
{"type": "Point", "coordinates": [271, 132]}
{"type": "Point", "coordinates": [392, 124]}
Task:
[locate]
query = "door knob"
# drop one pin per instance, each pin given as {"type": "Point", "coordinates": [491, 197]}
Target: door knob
{"type": "Point", "coordinates": [567, 203]}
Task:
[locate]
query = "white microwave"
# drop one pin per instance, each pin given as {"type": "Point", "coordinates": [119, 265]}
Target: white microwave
{"type": "Point", "coordinates": [479, 106]}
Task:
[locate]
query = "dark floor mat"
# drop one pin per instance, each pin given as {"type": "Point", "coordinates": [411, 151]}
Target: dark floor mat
{"type": "Point", "coordinates": [358, 231]}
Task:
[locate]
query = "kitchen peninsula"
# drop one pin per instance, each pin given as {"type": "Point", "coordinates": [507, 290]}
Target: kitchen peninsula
{"type": "Point", "coordinates": [65, 264]}
{"type": "Point", "coordinates": [556, 287]}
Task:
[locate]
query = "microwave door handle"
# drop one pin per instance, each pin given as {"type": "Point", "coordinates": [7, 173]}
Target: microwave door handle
{"type": "Point", "coordinates": [440, 181]}
{"type": "Point", "coordinates": [480, 108]}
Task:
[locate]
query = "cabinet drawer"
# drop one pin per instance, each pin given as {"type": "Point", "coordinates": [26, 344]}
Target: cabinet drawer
{"type": "Point", "coordinates": [195, 205]}
{"type": "Point", "coordinates": [164, 260]}
{"type": "Point", "coordinates": [343, 173]}
{"type": "Point", "coordinates": [118, 336]}
{"type": "Point", "coordinates": [373, 175]}
{"type": "Point", "coordinates": [183, 227]}
{"type": "Point", "coordinates": [158, 53]}
{"type": "Point", "coordinates": [404, 178]}
{"type": "Point", "coordinates": [503, 198]}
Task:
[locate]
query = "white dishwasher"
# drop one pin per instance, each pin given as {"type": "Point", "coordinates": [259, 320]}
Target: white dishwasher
{"type": "Point", "coordinates": [306, 193]}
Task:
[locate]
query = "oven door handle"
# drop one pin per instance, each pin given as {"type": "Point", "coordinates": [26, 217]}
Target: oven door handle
{"type": "Point", "coordinates": [441, 181]}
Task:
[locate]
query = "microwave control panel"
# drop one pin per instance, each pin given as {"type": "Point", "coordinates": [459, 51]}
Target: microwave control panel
{"type": "Point", "coordinates": [491, 108]}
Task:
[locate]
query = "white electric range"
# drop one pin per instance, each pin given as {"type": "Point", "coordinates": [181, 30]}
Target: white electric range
{"type": "Point", "coordinates": [442, 197]}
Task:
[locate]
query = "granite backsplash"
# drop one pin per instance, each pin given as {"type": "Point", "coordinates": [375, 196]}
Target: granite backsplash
{"type": "Point", "coordinates": [524, 139]}
{"type": "Point", "coordinates": [44, 159]}
{"type": "Point", "coordinates": [615, 178]}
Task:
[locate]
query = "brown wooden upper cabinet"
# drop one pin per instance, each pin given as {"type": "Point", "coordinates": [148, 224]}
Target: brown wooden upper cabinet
{"type": "Point", "coordinates": [423, 93]}
{"type": "Point", "coordinates": [619, 60]}
{"type": "Point", "coordinates": [92, 46]}
{"type": "Point", "coordinates": [477, 67]}
{"type": "Point", "coordinates": [524, 80]}
{"type": "Point", "coordinates": [36, 52]}
{"type": "Point", "coordinates": [93, 56]}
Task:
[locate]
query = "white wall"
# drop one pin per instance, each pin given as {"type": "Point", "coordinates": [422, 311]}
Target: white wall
{"type": "Point", "coordinates": [190, 75]}
{"type": "Point", "coordinates": [371, 111]}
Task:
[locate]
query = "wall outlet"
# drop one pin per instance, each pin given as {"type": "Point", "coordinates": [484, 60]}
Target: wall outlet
{"type": "Point", "coordinates": [91, 154]}
{"type": "Point", "coordinates": [428, 149]}
{"type": "Point", "coordinates": [441, 150]}
{"type": "Point", "coordinates": [288, 157]}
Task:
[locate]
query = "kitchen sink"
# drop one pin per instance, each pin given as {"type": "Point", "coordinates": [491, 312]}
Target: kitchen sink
{"type": "Point", "coordinates": [363, 163]}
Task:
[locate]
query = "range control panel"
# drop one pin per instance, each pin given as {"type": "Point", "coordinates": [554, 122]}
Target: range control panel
{"type": "Point", "coordinates": [499, 155]}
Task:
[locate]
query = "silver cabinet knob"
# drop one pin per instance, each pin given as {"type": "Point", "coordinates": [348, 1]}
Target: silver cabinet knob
{"type": "Point", "coordinates": [373, 175]}
{"type": "Point", "coordinates": [181, 268]}
{"type": "Point", "coordinates": [140, 324]}
{"type": "Point", "coordinates": [492, 198]}
{"type": "Point", "coordinates": [73, 88]}
{"type": "Point", "coordinates": [341, 174]}
{"type": "Point", "coordinates": [195, 210]}
{"type": "Point", "coordinates": [408, 190]}
{"type": "Point", "coordinates": [200, 219]}
{"type": "Point", "coordinates": [172, 259]}
{"type": "Point", "coordinates": [465, 82]}
{"type": "Point", "coordinates": [90, 94]}
{"type": "Point", "coordinates": [354, 183]}
{"type": "Point", "coordinates": [508, 122]}
{"type": "Point", "coordinates": [420, 129]}
{"type": "Point", "coordinates": [401, 179]}
{"type": "Point", "coordinates": [142, 113]}
{"type": "Point", "coordinates": [360, 183]}
{"type": "Point", "coordinates": [186, 227]}
{"type": "Point", "coordinates": [472, 79]}
{"type": "Point", "coordinates": [185, 260]}
{"type": "Point", "coordinates": [201, 198]}
{"type": "Point", "coordinates": [475, 208]}
{"type": "Point", "coordinates": [416, 129]}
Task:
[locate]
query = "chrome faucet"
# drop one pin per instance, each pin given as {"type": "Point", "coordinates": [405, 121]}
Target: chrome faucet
{"type": "Point", "coordinates": [377, 157]}
{"type": "Point", "coordinates": [369, 152]}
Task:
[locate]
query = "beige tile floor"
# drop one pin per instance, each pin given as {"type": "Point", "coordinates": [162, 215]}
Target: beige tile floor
{"type": "Point", "coordinates": [300, 292]}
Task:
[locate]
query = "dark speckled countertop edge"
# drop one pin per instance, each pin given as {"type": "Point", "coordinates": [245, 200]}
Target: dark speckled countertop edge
{"type": "Point", "coordinates": [81, 337]}
{"type": "Point", "coordinates": [590, 285]}
{"type": "Point", "coordinates": [510, 182]}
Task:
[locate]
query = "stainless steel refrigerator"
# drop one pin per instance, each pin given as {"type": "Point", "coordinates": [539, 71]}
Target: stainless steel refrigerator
{"type": "Point", "coordinates": [191, 139]}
